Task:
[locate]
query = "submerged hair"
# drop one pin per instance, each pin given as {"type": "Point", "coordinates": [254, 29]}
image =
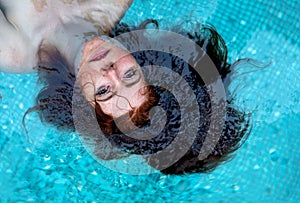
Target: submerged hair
{"type": "Point", "coordinates": [54, 102]}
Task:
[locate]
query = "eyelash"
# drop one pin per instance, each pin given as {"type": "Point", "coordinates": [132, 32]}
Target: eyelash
{"type": "Point", "coordinates": [103, 91]}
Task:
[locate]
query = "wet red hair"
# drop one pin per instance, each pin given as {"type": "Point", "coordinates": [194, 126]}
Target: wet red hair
{"type": "Point", "coordinates": [138, 116]}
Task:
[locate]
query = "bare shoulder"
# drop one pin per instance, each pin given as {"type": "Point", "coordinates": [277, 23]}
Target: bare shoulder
{"type": "Point", "coordinates": [15, 48]}
{"type": "Point", "coordinates": [104, 13]}
{"type": "Point", "coordinates": [25, 24]}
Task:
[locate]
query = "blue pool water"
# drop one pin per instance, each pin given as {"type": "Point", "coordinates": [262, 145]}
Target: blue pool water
{"type": "Point", "coordinates": [56, 167]}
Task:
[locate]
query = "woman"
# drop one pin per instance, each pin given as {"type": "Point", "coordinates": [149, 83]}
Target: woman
{"type": "Point", "coordinates": [27, 25]}
{"type": "Point", "coordinates": [117, 89]}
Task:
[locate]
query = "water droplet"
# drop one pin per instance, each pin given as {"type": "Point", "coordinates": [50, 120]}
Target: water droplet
{"type": "Point", "coordinates": [273, 154]}
{"type": "Point", "coordinates": [47, 167]}
{"type": "Point", "coordinates": [21, 105]}
{"type": "Point", "coordinates": [47, 158]}
{"type": "Point", "coordinates": [94, 173]}
{"type": "Point", "coordinates": [207, 187]}
{"type": "Point", "coordinates": [9, 171]}
{"type": "Point", "coordinates": [243, 22]}
{"type": "Point", "coordinates": [235, 187]}
{"type": "Point", "coordinates": [256, 167]}
{"type": "Point", "coordinates": [79, 187]}
{"type": "Point", "coordinates": [272, 150]}
{"type": "Point", "coordinates": [28, 150]}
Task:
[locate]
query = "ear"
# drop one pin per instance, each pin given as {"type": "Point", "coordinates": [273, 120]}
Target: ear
{"type": "Point", "coordinates": [105, 14]}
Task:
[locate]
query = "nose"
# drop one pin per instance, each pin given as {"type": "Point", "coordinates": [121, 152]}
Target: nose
{"type": "Point", "coordinates": [110, 76]}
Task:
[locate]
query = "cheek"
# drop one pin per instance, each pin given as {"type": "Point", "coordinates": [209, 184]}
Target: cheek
{"type": "Point", "coordinates": [87, 86]}
{"type": "Point", "coordinates": [116, 106]}
{"type": "Point", "coordinates": [106, 107]}
{"type": "Point", "coordinates": [137, 100]}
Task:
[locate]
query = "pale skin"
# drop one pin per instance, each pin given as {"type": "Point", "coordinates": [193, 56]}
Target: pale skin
{"type": "Point", "coordinates": [65, 24]}
{"type": "Point", "coordinates": [110, 76]}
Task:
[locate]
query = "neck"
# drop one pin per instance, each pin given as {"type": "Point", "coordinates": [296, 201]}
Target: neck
{"type": "Point", "coordinates": [71, 37]}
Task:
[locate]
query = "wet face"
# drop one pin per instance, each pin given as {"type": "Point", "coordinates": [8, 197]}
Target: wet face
{"type": "Point", "coordinates": [110, 76]}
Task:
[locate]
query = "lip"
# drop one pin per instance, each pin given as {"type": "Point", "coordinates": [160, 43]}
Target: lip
{"type": "Point", "coordinates": [99, 55]}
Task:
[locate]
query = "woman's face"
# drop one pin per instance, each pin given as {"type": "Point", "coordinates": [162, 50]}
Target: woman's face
{"type": "Point", "coordinates": [110, 76]}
